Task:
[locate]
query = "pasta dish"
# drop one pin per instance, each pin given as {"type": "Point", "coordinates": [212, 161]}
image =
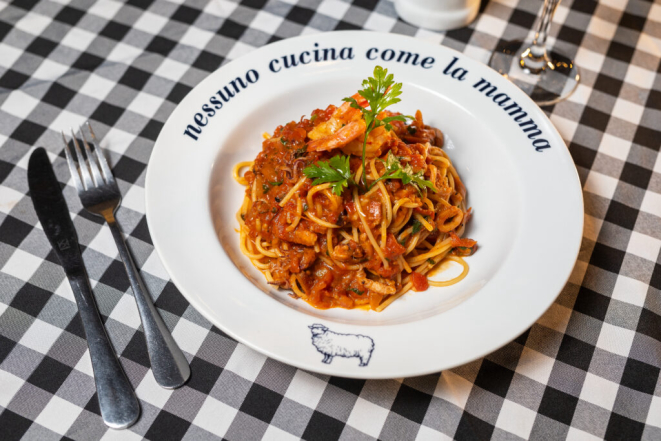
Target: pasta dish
{"type": "Point", "coordinates": [355, 205]}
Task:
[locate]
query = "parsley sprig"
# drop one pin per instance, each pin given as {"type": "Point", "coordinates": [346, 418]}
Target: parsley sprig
{"type": "Point", "coordinates": [395, 170]}
{"type": "Point", "coordinates": [380, 91]}
{"type": "Point", "coordinates": [336, 171]}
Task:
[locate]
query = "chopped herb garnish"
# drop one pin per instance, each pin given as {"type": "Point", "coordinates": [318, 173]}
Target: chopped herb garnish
{"type": "Point", "coordinates": [336, 171]}
{"type": "Point", "coordinates": [412, 129]}
{"type": "Point", "coordinates": [313, 117]}
{"type": "Point", "coordinates": [417, 226]}
{"type": "Point", "coordinates": [267, 187]}
{"type": "Point", "coordinates": [380, 91]}
{"type": "Point", "coordinates": [395, 170]}
{"type": "Point", "coordinates": [283, 141]}
{"type": "Point", "coordinates": [301, 152]}
{"type": "Point", "coordinates": [431, 261]}
{"type": "Point", "coordinates": [274, 210]}
{"type": "Point", "coordinates": [278, 198]}
{"type": "Point", "coordinates": [305, 206]}
{"type": "Point", "coordinates": [360, 293]}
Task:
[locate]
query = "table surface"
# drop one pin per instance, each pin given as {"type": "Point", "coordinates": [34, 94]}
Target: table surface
{"type": "Point", "coordinates": [588, 369]}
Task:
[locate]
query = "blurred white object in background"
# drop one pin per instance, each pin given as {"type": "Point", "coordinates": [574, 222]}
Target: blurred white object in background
{"type": "Point", "coordinates": [438, 15]}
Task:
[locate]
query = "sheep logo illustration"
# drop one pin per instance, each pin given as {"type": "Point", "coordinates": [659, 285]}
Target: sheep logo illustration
{"type": "Point", "coordinates": [333, 344]}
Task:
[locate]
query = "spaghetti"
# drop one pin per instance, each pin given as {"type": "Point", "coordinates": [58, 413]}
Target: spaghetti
{"type": "Point", "coordinates": [367, 246]}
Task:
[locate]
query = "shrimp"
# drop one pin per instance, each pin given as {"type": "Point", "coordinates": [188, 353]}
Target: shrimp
{"type": "Point", "coordinates": [301, 233]}
{"type": "Point", "coordinates": [342, 137]}
{"type": "Point", "coordinates": [344, 126]}
{"type": "Point", "coordinates": [342, 116]}
{"type": "Point", "coordinates": [347, 252]}
{"type": "Point", "coordinates": [375, 142]}
{"type": "Point", "coordinates": [385, 287]}
{"type": "Point", "coordinates": [345, 129]}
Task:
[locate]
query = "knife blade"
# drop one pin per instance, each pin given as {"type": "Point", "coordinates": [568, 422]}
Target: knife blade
{"type": "Point", "coordinates": [117, 401]}
{"type": "Point", "coordinates": [53, 212]}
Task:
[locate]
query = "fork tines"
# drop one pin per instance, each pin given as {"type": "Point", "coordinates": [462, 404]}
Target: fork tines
{"type": "Point", "coordinates": [88, 170]}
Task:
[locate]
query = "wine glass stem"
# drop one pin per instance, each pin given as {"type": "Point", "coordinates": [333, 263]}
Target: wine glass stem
{"type": "Point", "coordinates": [534, 58]}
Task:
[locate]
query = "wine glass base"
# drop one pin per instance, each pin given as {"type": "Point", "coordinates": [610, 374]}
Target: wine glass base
{"type": "Point", "coordinates": [552, 85]}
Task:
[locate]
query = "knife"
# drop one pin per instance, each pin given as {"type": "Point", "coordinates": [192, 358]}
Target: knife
{"type": "Point", "coordinates": [117, 401]}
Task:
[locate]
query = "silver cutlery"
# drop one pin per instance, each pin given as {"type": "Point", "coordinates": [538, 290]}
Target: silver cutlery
{"type": "Point", "coordinates": [117, 401]}
{"type": "Point", "coordinates": [100, 195]}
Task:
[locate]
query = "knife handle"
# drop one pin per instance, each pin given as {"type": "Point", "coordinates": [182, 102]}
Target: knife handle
{"type": "Point", "coordinates": [117, 401]}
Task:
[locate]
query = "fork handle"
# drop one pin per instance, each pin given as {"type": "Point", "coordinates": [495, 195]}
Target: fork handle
{"type": "Point", "coordinates": [168, 363]}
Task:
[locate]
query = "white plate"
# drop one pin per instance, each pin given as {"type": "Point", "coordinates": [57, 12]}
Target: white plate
{"type": "Point", "coordinates": [528, 207]}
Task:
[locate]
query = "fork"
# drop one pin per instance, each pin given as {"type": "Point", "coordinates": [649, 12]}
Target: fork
{"type": "Point", "coordinates": [100, 196]}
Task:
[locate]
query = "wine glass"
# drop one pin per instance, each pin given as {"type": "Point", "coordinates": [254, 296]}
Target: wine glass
{"type": "Point", "coordinates": [546, 76]}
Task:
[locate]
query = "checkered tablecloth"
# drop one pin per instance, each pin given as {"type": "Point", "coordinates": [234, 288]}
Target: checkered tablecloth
{"type": "Point", "coordinates": [588, 369]}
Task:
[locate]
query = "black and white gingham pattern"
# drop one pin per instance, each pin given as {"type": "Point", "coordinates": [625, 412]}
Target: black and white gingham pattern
{"type": "Point", "coordinates": [588, 369]}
